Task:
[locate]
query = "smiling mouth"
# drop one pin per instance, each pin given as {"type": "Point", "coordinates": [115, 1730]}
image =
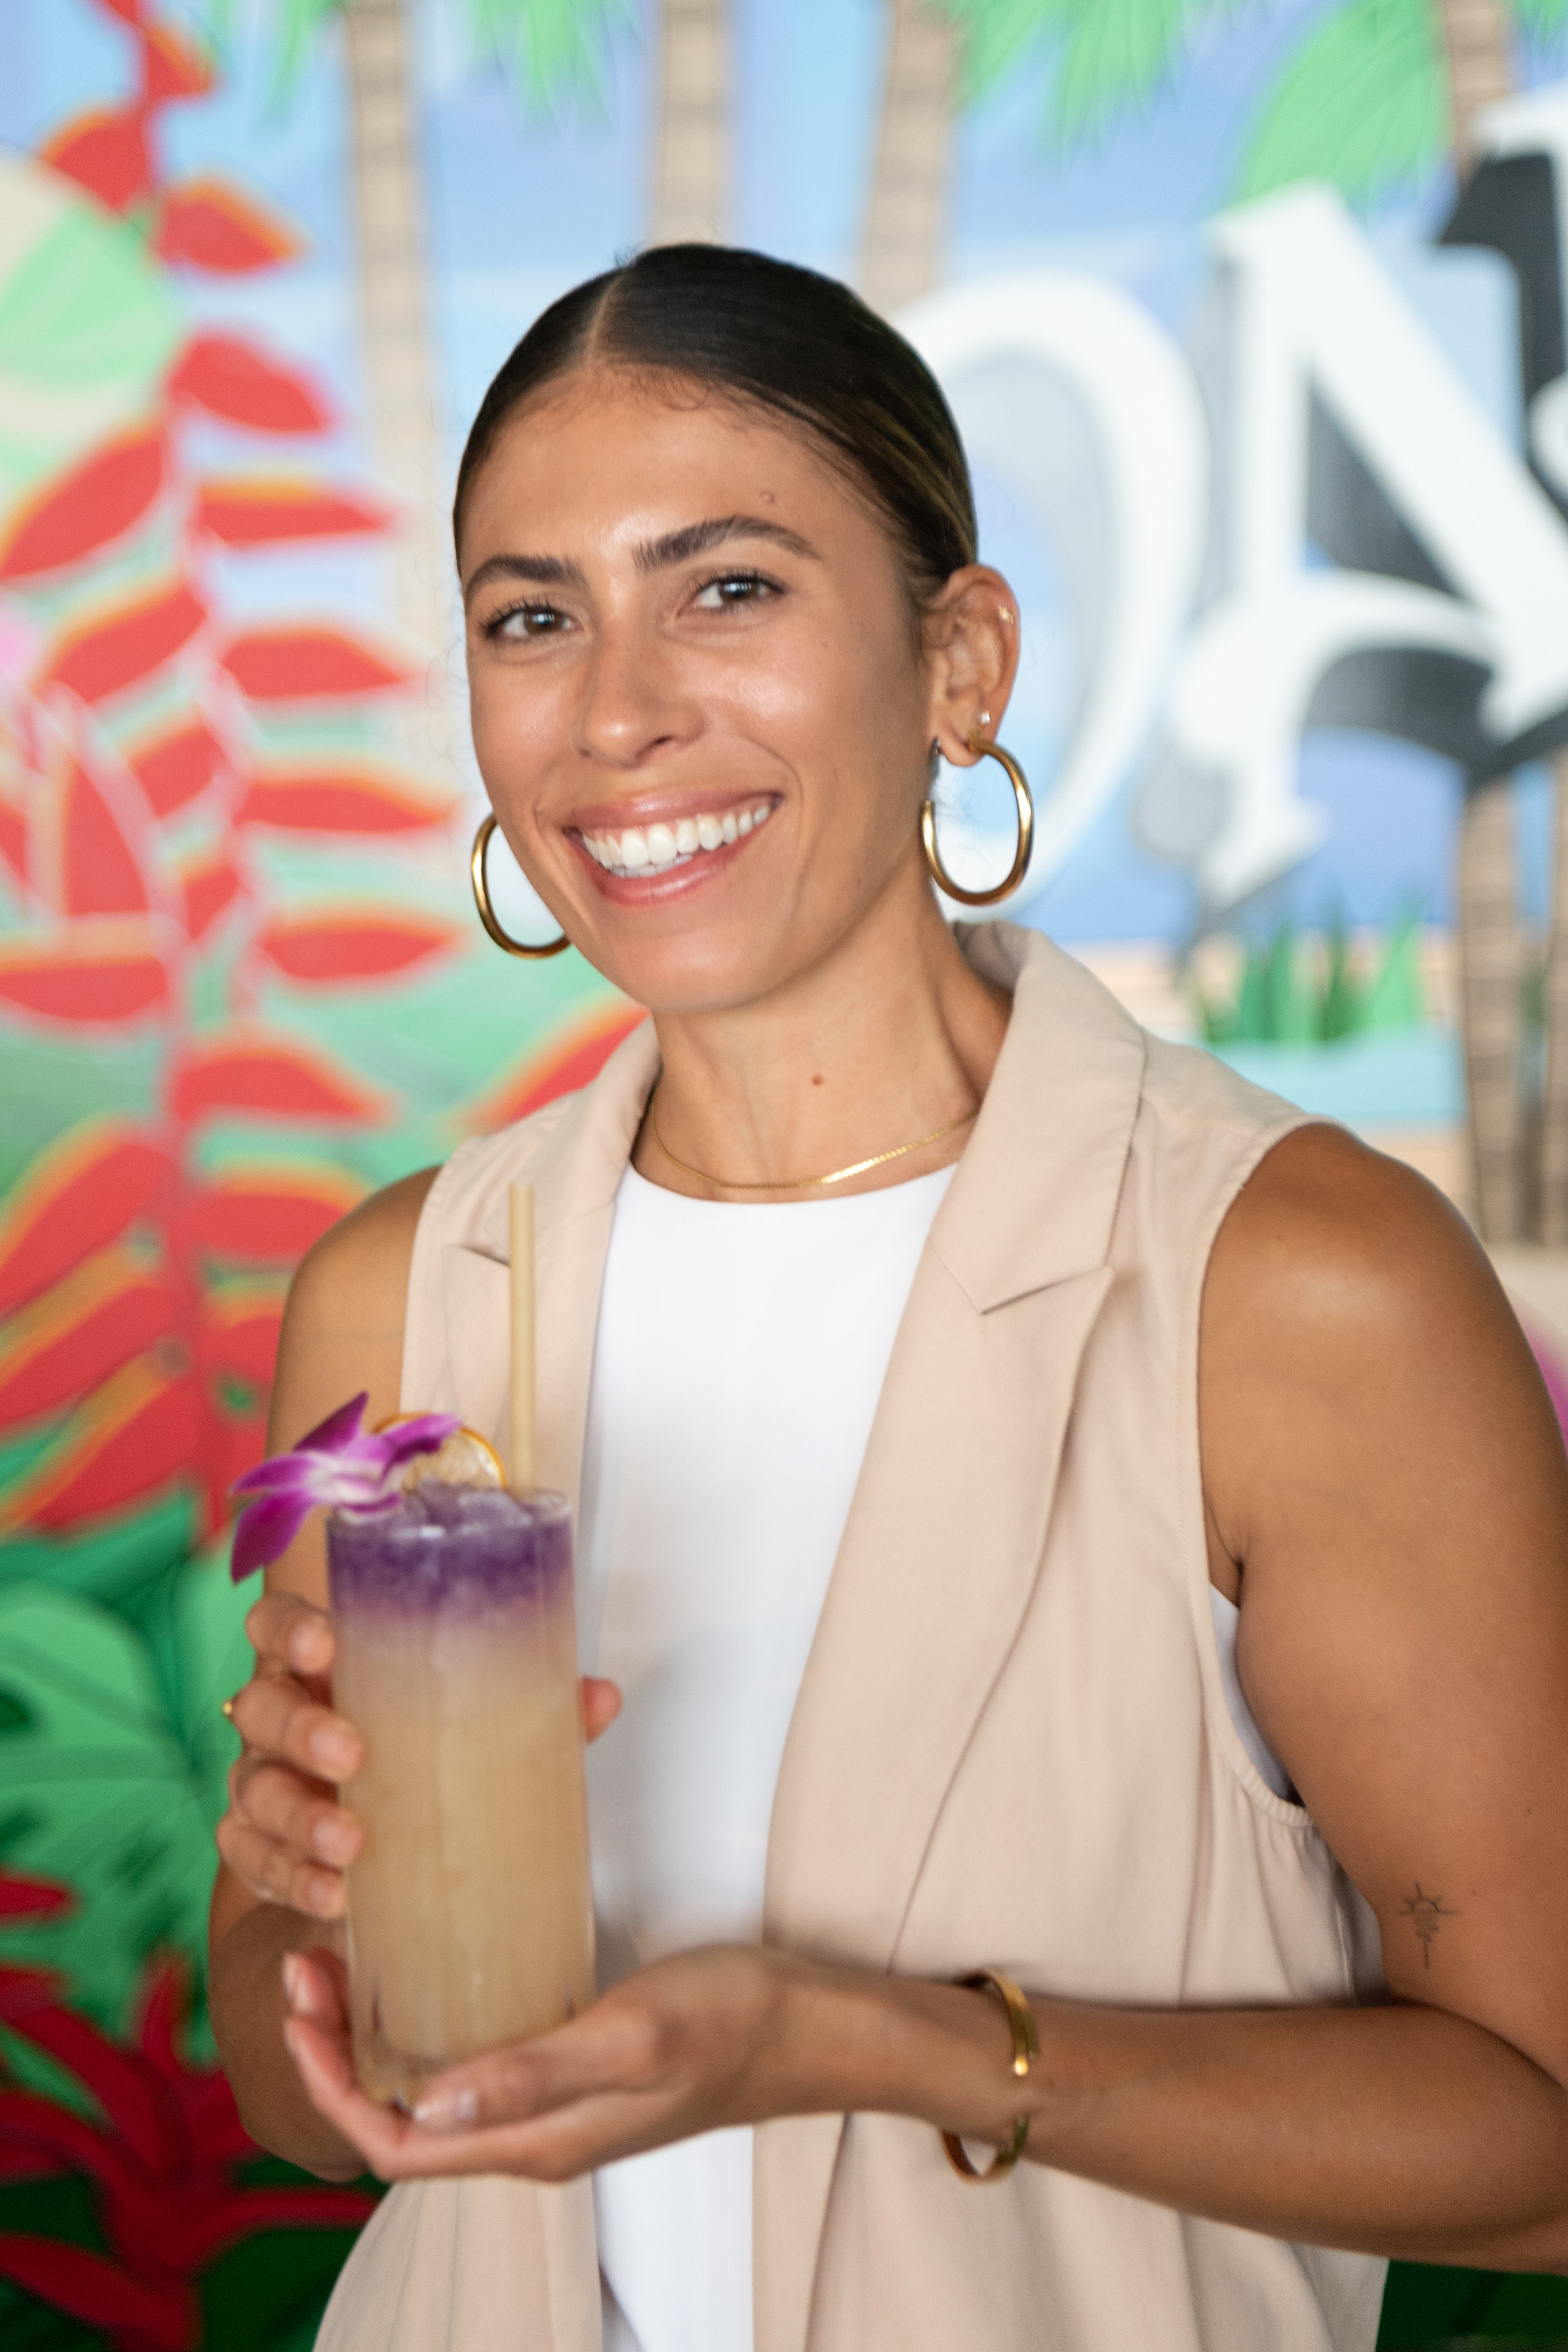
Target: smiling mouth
{"type": "Point", "coordinates": [650, 849]}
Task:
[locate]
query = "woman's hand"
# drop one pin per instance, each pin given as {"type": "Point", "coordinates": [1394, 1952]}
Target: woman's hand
{"type": "Point", "coordinates": [730, 2035]}
{"type": "Point", "coordinates": [286, 1836]}
{"type": "Point", "coordinates": [685, 2045]}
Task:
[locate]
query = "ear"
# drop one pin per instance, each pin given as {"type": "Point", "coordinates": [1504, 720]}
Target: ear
{"type": "Point", "coordinates": [970, 640]}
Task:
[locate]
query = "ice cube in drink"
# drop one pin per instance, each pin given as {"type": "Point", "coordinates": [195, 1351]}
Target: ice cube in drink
{"type": "Point", "coordinates": [470, 1908]}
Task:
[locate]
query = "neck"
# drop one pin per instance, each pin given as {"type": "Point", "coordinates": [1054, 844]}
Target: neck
{"type": "Point", "coordinates": [886, 1038]}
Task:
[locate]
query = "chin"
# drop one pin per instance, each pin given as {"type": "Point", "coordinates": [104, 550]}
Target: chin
{"type": "Point", "coordinates": [691, 976]}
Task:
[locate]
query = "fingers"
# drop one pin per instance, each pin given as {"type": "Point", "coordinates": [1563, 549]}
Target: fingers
{"type": "Point", "coordinates": [299, 1813]}
{"type": "Point", "coordinates": [612, 2048]}
{"type": "Point", "coordinates": [276, 1717]}
{"type": "Point", "coordinates": [288, 1632]}
{"type": "Point", "coordinates": [316, 1987]}
{"type": "Point", "coordinates": [278, 1872]}
{"type": "Point", "coordinates": [395, 2149]}
{"type": "Point", "coordinates": [600, 1705]}
{"type": "Point", "coordinates": [283, 1835]}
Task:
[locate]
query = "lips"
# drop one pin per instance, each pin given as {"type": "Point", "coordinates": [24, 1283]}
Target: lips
{"type": "Point", "coordinates": [646, 851]}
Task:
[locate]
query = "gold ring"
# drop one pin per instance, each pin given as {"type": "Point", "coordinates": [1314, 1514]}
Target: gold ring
{"type": "Point", "coordinates": [226, 1709]}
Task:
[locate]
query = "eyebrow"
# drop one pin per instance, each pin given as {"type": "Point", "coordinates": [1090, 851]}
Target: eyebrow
{"type": "Point", "coordinates": [651, 555]}
{"type": "Point", "coordinates": [698, 538]}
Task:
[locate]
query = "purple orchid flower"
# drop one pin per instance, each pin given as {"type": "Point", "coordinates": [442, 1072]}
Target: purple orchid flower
{"type": "Point", "coordinates": [337, 1466]}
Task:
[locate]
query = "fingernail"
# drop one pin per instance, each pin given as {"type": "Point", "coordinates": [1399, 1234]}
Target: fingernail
{"type": "Point", "coordinates": [304, 1644]}
{"type": "Point", "coordinates": [334, 1839]}
{"type": "Point", "coordinates": [334, 1751]}
{"type": "Point", "coordinates": [291, 1986]}
{"type": "Point", "coordinates": [452, 2110]}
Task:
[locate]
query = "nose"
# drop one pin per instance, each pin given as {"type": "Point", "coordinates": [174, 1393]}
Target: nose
{"type": "Point", "coordinates": [634, 704]}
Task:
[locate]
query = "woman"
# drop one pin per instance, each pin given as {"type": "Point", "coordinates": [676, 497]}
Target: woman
{"type": "Point", "coordinates": [937, 1362]}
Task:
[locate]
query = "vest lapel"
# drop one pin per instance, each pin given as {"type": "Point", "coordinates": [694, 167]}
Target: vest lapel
{"type": "Point", "coordinates": [946, 1529]}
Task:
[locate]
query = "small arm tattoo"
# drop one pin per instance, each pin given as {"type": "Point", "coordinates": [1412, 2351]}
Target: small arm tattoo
{"type": "Point", "coordinates": [1427, 1913]}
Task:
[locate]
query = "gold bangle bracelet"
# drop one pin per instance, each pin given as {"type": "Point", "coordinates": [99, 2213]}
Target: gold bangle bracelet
{"type": "Point", "coordinates": [1026, 2046]}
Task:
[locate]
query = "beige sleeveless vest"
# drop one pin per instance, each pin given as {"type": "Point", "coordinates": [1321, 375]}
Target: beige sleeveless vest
{"type": "Point", "coordinates": [1011, 1746]}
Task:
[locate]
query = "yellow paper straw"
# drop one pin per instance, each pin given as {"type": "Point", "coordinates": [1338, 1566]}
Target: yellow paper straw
{"type": "Point", "coordinates": [520, 1203]}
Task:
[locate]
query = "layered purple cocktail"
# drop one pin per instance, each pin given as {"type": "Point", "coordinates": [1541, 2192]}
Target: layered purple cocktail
{"type": "Point", "coordinates": [470, 1908]}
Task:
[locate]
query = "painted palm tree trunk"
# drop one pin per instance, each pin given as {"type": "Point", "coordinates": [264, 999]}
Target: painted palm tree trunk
{"type": "Point", "coordinates": [690, 173]}
{"type": "Point", "coordinates": [1555, 1089]}
{"type": "Point", "coordinates": [904, 224]}
{"type": "Point", "coordinates": [395, 348]}
{"type": "Point", "coordinates": [1475, 42]}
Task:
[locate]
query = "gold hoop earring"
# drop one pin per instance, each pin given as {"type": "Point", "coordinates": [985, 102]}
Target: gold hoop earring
{"type": "Point", "coordinates": [487, 913]}
{"type": "Point", "coordinates": [1019, 867]}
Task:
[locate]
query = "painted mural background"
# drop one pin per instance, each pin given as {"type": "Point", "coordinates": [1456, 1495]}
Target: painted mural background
{"type": "Point", "coordinates": [1255, 314]}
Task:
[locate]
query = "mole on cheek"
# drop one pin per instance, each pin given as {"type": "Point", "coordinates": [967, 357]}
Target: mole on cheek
{"type": "Point", "coordinates": [816, 1082]}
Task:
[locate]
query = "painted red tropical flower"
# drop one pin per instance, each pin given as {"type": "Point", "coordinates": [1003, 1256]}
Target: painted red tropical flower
{"type": "Point", "coordinates": [166, 2165]}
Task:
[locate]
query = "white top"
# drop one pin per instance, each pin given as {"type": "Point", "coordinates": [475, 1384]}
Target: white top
{"type": "Point", "coordinates": [739, 1360]}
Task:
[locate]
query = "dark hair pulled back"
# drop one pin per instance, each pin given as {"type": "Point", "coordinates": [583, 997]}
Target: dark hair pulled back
{"type": "Point", "coordinates": [789, 341]}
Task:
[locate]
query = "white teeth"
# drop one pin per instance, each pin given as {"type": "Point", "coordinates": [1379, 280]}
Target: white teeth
{"type": "Point", "coordinates": [656, 847]}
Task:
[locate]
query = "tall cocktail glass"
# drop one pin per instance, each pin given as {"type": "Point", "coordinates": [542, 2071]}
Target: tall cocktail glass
{"type": "Point", "coordinates": [470, 1908]}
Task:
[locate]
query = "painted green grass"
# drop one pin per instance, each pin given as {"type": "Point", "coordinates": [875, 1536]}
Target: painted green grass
{"type": "Point", "coordinates": [1305, 988]}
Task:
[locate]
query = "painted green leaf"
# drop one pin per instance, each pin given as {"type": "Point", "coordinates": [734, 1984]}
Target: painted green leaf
{"type": "Point", "coordinates": [1545, 18]}
{"type": "Point", "coordinates": [555, 51]}
{"type": "Point", "coordinates": [1363, 103]}
{"type": "Point", "coordinates": [994, 33]}
{"type": "Point", "coordinates": [121, 1772]}
{"type": "Point", "coordinates": [286, 28]}
{"type": "Point", "coordinates": [1120, 51]}
{"type": "Point", "coordinates": [87, 325]}
{"type": "Point", "coordinates": [1112, 52]}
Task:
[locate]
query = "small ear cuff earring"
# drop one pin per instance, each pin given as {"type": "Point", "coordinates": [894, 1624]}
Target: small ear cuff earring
{"type": "Point", "coordinates": [1004, 613]}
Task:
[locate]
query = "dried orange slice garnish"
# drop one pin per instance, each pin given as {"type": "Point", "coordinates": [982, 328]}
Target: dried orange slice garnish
{"type": "Point", "coordinates": [465, 1459]}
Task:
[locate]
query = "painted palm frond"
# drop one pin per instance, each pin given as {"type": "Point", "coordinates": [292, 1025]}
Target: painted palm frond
{"type": "Point", "coordinates": [993, 34]}
{"type": "Point", "coordinates": [290, 26]}
{"type": "Point", "coordinates": [1110, 53]}
{"type": "Point", "coordinates": [1119, 52]}
{"type": "Point", "coordinates": [554, 52]}
{"type": "Point", "coordinates": [1363, 103]}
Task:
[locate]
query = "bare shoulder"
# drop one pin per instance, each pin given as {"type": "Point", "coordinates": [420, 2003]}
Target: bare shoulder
{"type": "Point", "coordinates": [342, 1328]}
{"type": "Point", "coordinates": [1330, 1241]}
{"type": "Point", "coordinates": [1353, 1328]}
{"type": "Point", "coordinates": [359, 1267]}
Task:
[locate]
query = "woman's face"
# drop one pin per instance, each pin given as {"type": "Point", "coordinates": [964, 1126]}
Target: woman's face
{"type": "Point", "coordinates": [698, 704]}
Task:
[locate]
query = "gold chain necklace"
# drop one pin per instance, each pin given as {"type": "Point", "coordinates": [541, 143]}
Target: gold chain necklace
{"type": "Point", "coordinates": [805, 1184]}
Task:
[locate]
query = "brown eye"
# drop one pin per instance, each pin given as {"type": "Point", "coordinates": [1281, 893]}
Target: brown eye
{"type": "Point", "coordinates": [520, 620]}
{"type": "Point", "coordinates": [732, 589]}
